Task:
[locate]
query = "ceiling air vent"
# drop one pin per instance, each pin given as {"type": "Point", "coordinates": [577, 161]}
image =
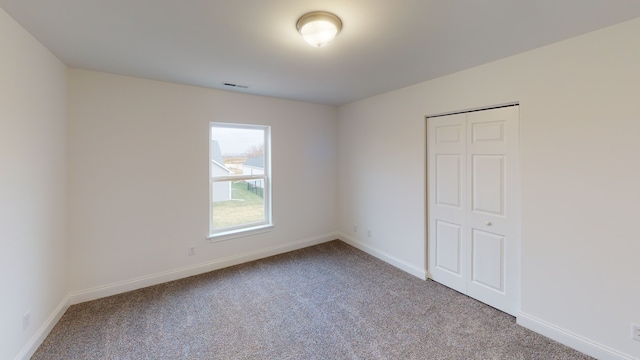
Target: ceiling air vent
{"type": "Point", "coordinates": [237, 86]}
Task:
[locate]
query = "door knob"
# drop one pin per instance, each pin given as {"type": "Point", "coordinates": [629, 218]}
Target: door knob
{"type": "Point", "coordinates": [488, 223]}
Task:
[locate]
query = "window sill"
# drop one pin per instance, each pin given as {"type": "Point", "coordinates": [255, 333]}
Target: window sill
{"type": "Point", "coordinates": [238, 233]}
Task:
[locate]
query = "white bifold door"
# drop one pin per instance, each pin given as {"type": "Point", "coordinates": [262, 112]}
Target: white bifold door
{"type": "Point", "coordinates": [473, 204]}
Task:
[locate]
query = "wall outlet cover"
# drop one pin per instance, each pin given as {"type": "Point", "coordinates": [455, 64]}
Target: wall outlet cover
{"type": "Point", "coordinates": [26, 320]}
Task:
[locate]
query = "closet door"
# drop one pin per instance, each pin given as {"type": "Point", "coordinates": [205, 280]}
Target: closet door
{"type": "Point", "coordinates": [446, 139]}
{"type": "Point", "coordinates": [492, 160]}
{"type": "Point", "coordinates": [488, 251]}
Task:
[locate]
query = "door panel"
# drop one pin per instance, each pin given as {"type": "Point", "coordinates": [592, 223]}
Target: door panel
{"type": "Point", "coordinates": [487, 181]}
{"type": "Point", "coordinates": [487, 259]}
{"type": "Point", "coordinates": [488, 132]}
{"type": "Point", "coordinates": [494, 276]}
{"type": "Point", "coordinates": [448, 181]}
{"type": "Point", "coordinates": [449, 134]}
{"type": "Point", "coordinates": [473, 204]}
{"type": "Point", "coordinates": [447, 190]}
{"type": "Point", "coordinates": [448, 247]}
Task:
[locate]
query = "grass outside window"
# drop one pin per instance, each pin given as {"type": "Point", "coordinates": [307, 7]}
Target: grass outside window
{"type": "Point", "coordinates": [245, 207]}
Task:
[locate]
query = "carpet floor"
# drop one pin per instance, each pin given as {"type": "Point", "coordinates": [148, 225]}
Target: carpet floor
{"type": "Point", "coordinates": [329, 301]}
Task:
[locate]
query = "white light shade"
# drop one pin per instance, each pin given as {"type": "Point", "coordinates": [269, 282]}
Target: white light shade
{"type": "Point", "coordinates": [318, 28]}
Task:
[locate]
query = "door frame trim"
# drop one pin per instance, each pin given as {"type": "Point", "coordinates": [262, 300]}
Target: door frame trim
{"type": "Point", "coordinates": [515, 103]}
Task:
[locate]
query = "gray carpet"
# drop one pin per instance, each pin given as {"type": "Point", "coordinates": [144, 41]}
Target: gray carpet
{"type": "Point", "coordinates": [329, 301]}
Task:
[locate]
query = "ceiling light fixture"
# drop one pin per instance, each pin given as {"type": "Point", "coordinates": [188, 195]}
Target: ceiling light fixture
{"type": "Point", "coordinates": [318, 28]}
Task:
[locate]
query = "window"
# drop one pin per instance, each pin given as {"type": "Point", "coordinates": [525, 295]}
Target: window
{"type": "Point", "coordinates": [239, 179]}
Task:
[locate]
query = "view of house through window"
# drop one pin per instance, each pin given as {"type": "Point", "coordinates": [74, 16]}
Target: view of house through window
{"type": "Point", "coordinates": [239, 177]}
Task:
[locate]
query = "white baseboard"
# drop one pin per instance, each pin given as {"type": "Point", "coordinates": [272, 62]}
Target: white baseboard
{"type": "Point", "coordinates": [159, 278]}
{"type": "Point", "coordinates": [44, 330]}
{"type": "Point", "coordinates": [371, 250]}
{"type": "Point", "coordinates": [570, 339]}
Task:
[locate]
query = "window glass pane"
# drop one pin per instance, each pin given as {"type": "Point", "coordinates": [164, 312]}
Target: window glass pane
{"type": "Point", "coordinates": [239, 151]}
{"type": "Point", "coordinates": [237, 203]}
{"type": "Point", "coordinates": [237, 148]}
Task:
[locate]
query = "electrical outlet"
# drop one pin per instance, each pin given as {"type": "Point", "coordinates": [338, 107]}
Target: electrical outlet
{"type": "Point", "coordinates": [192, 250]}
{"type": "Point", "coordinates": [26, 320]}
{"type": "Point", "coordinates": [368, 232]}
{"type": "Point", "coordinates": [355, 228]}
{"type": "Point", "coordinates": [635, 332]}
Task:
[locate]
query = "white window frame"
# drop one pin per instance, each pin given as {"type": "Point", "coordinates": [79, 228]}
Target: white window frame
{"type": "Point", "coordinates": [242, 230]}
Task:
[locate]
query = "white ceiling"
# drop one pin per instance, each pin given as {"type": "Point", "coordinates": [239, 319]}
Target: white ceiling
{"type": "Point", "coordinates": [384, 44]}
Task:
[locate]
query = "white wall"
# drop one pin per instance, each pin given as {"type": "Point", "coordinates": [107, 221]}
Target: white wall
{"type": "Point", "coordinates": [139, 174]}
{"type": "Point", "coordinates": [33, 183]}
{"type": "Point", "coordinates": [580, 168]}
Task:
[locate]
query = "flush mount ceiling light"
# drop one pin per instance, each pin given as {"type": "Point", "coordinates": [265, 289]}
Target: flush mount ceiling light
{"type": "Point", "coordinates": [318, 28]}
